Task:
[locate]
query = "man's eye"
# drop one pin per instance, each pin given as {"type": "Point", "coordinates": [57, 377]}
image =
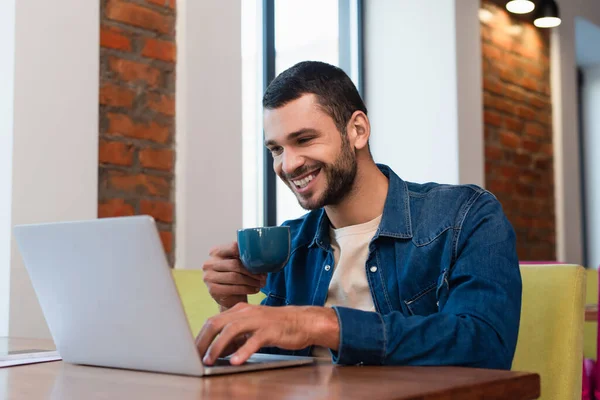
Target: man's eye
{"type": "Point", "coordinates": [304, 140]}
{"type": "Point", "coordinates": [276, 150]}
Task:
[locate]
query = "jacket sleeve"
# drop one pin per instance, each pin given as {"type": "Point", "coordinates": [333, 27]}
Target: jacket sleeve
{"type": "Point", "coordinates": [479, 300]}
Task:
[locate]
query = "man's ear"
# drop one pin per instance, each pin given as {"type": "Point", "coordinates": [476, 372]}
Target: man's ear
{"type": "Point", "coordinates": [359, 130]}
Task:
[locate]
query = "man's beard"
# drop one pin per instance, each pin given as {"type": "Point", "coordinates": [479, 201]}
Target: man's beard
{"type": "Point", "coordinates": [340, 177]}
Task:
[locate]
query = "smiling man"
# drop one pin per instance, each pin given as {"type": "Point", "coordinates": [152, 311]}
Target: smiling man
{"type": "Point", "coordinates": [382, 271]}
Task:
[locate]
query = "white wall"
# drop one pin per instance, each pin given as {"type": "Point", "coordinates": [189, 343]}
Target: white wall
{"type": "Point", "coordinates": [566, 128]}
{"type": "Point", "coordinates": [423, 88]}
{"type": "Point", "coordinates": [55, 153]}
{"type": "Point", "coordinates": [209, 128]}
{"type": "Point", "coordinates": [591, 129]}
{"type": "Point", "coordinates": [7, 44]}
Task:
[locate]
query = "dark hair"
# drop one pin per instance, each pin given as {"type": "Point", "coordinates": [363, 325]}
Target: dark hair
{"type": "Point", "coordinates": [335, 91]}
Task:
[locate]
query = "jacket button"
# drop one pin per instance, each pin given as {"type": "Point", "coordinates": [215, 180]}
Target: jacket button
{"type": "Point", "coordinates": [327, 267]}
{"type": "Point", "coordinates": [373, 269]}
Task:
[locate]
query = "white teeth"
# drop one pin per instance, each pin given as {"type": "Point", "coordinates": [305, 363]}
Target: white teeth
{"type": "Point", "coordinates": [303, 182]}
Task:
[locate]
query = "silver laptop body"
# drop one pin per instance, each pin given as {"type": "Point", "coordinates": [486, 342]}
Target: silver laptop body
{"type": "Point", "coordinates": [109, 299]}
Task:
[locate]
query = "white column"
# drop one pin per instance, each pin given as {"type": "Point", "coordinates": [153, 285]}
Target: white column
{"type": "Point", "coordinates": [423, 88]}
{"type": "Point", "coordinates": [7, 62]}
{"type": "Point", "coordinates": [567, 172]}
{"type": "Point", "coordinates": [55, 134]}
{"type": "Point", "coordinates": [591, 130]}
{"type": "Point", "coordinates": [209, 127]}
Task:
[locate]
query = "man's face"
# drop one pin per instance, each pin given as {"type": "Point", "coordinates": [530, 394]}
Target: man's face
{"type": "Point", "coordinates": [310, 154]}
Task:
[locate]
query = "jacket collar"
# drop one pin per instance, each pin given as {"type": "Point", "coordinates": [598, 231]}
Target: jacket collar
{"type": "Point", "coordinates": [395, 221]}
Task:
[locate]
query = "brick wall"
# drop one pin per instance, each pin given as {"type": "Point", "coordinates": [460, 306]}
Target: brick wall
{"type": "Point", "coordinates": [518, 127]}
{"type": "Point", "coordinates": [137, 109]}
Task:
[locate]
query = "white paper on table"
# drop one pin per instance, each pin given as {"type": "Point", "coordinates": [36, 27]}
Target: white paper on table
{"type": "Point", "coordinates": [27, 357]}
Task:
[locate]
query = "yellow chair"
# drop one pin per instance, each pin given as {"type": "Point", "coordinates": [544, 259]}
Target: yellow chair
{"type": "Point", "coordinates": [197, 303]}
{"type": "Point", "coordinates": [590, 329]}
{"type": "Point", "coordinates": [550, 339]}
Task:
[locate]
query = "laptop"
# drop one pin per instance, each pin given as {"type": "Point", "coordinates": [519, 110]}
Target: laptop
{"type": "Point", "coordinates": [109, 299]}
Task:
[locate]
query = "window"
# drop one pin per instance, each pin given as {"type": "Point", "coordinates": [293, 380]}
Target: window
{"type": "Point", "coordinates": [292, 31]}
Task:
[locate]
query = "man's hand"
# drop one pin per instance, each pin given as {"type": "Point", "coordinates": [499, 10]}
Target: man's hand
{"type": "Point", "coordinates": [246, 328]}
{"type": "Point", "coordinates": [227, 280]}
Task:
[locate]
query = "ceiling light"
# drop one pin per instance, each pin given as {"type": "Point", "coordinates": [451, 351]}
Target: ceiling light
{"type": "Point", "coordinates": [520, 6]}
{"type": "Point", "coordinates": [547, 15]}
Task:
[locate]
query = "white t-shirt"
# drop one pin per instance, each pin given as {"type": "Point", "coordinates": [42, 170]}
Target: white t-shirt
{"type": "Point", "coordinates": [349, 286]}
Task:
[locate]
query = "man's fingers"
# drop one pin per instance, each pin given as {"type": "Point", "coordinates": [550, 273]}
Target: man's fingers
{"type": "Point", "coordinates": [231, 265]}
{"type": "Point", "coordinates": [217, 290]}
{"type": "Point", "coordinates": [209, 331]}
{"type": "Point", "coordinates": [226, 251]}
{"type": "Point", "coordinates": [226, 338]}
{"type": "Point", "coordinates": [252, 345]}
{"type": "Point", "coordinates": [231, 278]}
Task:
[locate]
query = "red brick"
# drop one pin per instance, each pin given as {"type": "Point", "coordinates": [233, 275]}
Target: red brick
{"type": "Point", "coordinates": [523, 160]}
{"type": "Point", "coordinates": [116, 153]}
{"type": "Point", "coordinates": [497, 186]}
{"type": "Point", "coordinates": [163, 3]}
{"type": "Point", "coordinates": [113, 38]}
{"type": "Point", "coordinates": [140, 184]}
{"type": "Point", "coordinates": [167, 241]}
{"type": "Point", "coordinates": [494, 153]}
{"type": "Point", "coordinates": [545, 117]}
{"type": "Point", "coordinates": [131, 71]}
{"type": "Point", "coordinates": [492, 85]}
{"type": "Point", "coordinates": [486, 34]}
{"type": "Point", "coordinates": [526, 113]}
{"type": "Point", "coordinates": [157, 159]}
{"type": "Point", "coordinates": [115, 96]}
{"type": "Point", "coordinates": [534, 70]}
{"type": "Point", "coordinates": [509, 171]}
{"type": "Point", "coordinates": [122, 125]}
{"type": "Point", "coordinates": [528, 177]}
{"type": "Point", "coordinates": [492, 53]}
{"type": "Point", "coordinates": [546, 89]}
{"type": "Point", "coordinates": [139, 16]}
{"type": "Point", "coordinates": [542, 192]}
{"type": "Point", "coordinates": [492, 118]}
{"type": "Point", "coordinates": [529, 84]}
{"type": "Point", "coordinates": [513, 62]}
{"type": "Point", "coordinates": [538, 102]}
{"type": "Point", "coordinates": [501, 39]}
{"type": "Point", "coordinates": [159, 210]}
{"type": "Point", "coordinates": [523, 222]}
{"type": "Point", "coordinates": [162, 103]}
{"type": "Point", "coordinates": [526, 51]}
{"type": "Point", "coordinates": [114, 208]}
{"type": "Point", "coordinates": [512, 124]}
{"type": "Point", "coordinates": [514, 93]}
{"type": "Point", "coordinates": [510, 75]}
{"type": "Point", "coordinates": [543, 164]}
{"type": "Point", "coordinates": [533, 129]}
{"type": "Point", "coordinates": [509, 139]}
{"type": "Point", "coordinates": [500, 104]}
{"type": "Point", "coordinates": [529, 207]}
{"type": "Point", "coordinates": [160, 50]}
{"type": "Point", "coordinates": [531, 145]}
{"type": "Point", "coordinates": [548, 149]}
{"type": "Point", "coordinates": [524, 190]}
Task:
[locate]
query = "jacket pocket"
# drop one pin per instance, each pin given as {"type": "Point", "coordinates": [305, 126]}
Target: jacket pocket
{"type": "Point", "coordinates": [274, 300]}
{"type": "Point", "coordinates": [424, 302]}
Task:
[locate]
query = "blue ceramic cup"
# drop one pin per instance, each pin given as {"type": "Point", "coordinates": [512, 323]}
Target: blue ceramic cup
{"type": "Point", "coordinates": [264, 250]}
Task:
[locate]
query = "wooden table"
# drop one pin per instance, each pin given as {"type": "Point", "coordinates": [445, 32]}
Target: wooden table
{"type": "Point", "coordinates": [58, 380]}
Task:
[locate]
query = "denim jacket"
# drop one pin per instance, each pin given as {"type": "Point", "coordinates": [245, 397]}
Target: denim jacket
{"type": "Point", "coordinates": [443, 274]}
